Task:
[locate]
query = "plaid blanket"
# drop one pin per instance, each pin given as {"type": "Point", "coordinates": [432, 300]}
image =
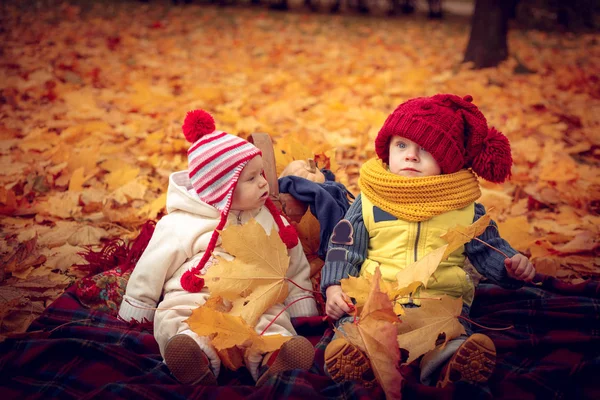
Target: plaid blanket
{"type": "Point", "coordinates": [72, 352]}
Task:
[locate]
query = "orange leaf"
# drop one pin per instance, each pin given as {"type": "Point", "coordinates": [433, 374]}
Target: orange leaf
{"type": "Point", "coordinates": [375, 334]}
{"type": "Point", "coordinates": [421, 326]}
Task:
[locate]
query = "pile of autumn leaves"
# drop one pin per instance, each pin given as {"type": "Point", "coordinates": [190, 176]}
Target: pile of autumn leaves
{"type": "Point", "coordinates": [244, 288]}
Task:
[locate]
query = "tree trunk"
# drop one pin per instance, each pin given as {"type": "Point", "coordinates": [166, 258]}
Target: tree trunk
{"type": "Point", "coordinates": [489, 29]}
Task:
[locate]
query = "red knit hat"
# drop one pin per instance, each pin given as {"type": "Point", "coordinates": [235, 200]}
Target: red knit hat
{"type": "Point", "coordinates": [454, 131]}
{"type": "Point", "coordinates": [215, 161]}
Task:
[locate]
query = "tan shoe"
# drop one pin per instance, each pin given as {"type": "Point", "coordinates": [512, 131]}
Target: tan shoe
{"type": "Point", "coordinates": [187, 362]}
{"type": "Point", "coordinates": [296, 353]}
{"type": "Point", "coordinates": [474, 362]}
{"type": "Point", "coordinates": [346, 362]}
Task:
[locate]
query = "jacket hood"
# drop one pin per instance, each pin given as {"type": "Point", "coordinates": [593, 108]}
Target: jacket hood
{"type": "Point", "coordinates": [181, 197]}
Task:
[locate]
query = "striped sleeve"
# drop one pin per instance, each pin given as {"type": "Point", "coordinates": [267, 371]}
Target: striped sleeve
{"type": "Point", "coordinates": [344, 260]}
{"type": "Point", "coordinates": [489, 262]}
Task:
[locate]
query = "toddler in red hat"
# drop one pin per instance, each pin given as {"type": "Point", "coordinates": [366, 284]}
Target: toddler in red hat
{"type": "Point", "coordinates": [423, 182]}
{"type": "Point", "coordinates": [223, 186]}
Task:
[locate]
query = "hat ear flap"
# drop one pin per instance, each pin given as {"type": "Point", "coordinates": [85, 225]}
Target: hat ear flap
{"type": "Point", "coordinates": [493, 162]}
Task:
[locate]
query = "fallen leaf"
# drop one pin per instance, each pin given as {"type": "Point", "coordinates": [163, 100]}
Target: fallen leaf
{"type": "Point", "coordinates": [375, 334]}
{"type": "Point", "coordinates": [227, 331]}
{"type": "Point", "coordinates": [26, 255]}
{"type": "Point", "coordinates": [422, 269]}
{"type": "Point", "coordinates": [459, 235]}
{"type": "Point", "coordinates": [359, 288]}
{"type": "Point", "coordinates": [256, 279]}
{"type": "Point", "coordinates": [422, 325]}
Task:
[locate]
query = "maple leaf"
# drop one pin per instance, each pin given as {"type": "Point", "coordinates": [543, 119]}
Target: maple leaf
{"type": "Point", "coordinates": [359, 288]}
{"type": "Point", "coordinates": [423, 269]}
{"type": "Point", "coordinates": [375, 334]}
{"type": "Point", "coordinates": [25, 256]}
{"type": "Point", "coordinates": [227, 331]}
{"type": "Point", "coordinates": [309, 233]}
{"type": "Point", "coordinates": [255, 279]}
{"type": "Point", "coordinates": [421, 326]}
{"type": "Point", "coordinates": [459, 235]}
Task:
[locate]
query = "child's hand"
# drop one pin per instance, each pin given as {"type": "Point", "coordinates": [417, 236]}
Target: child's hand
{"type": "Point", "coordinates": [519, 267]}
{"type": "Point", "coordinates": [338, 303]}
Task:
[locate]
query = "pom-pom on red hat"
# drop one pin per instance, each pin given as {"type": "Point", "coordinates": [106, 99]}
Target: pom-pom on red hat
{"type": "Point", "coordinates": [215, 161]}
{"type": "Point", "coordinates": [454, 131]}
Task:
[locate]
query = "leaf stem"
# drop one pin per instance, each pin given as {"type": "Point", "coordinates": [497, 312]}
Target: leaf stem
{"type": "Point", "coordinates": [481, 241]}
{"type": "Point", "coordinates": [281, 312]}
{"type": "Point", "coordinates": [485, 327]}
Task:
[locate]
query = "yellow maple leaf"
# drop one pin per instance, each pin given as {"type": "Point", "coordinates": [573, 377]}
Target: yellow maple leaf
{"type": "Point", "coordinates": [375, 334]}
{"type": "Point", "coordinates": [227, 331]}
{"type": "Point", "coordinates": [421, 327]}
{"type": "Point", "coordinates": [459, 235]}
{"type": "Point", "coordinates": [256, 279]}
{"type": "Point", "coordinates": [359, 289]}
{"type": "Point", "coordinates": [121, 177]}
{"type": "Point", "coordinates": [422, 269]}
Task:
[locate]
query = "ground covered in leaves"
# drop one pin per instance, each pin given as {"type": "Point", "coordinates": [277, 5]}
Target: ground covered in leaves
{"type": "Point", "coordinates": [92, 101]}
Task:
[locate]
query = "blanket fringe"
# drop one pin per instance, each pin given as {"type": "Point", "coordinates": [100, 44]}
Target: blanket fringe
{"type": "Point", "coordinates": [117, 252]}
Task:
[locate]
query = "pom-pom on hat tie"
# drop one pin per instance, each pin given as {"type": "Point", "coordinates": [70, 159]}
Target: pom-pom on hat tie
{"type": "Point", "coordinates": [453, 131]}
{"type": "Point", "coordinates": [215, 161]}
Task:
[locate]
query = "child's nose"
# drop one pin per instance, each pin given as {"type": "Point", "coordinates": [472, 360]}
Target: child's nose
{"type": "Point", "coordinates": [412, 153]}
{"type": "Point", "coordinates": [262, 181]}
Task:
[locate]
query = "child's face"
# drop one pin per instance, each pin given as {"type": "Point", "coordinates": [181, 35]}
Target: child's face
{"type": "Point", "coordinates": [410, 160]}
{"type": "Point", "coordinates": [252, 188]}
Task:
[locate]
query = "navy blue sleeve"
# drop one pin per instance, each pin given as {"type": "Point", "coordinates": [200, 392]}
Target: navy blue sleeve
{"type": "Point", "coordinates": [344, 259]}
{"type": "Point", "coordinates": [489, 262]}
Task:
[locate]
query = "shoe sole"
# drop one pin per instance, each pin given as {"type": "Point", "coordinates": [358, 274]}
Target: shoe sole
{"type": "Point", "coordinates": [473, 362]}
{"type": "Point", "coordinates": [187, 362]}
{"type": "Point", "coordinates": [345, 362]}
{"type": "Point", "coordinates": [296, 353]}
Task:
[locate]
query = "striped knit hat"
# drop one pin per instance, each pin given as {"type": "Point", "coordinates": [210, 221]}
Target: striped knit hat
{"type": "Point", "coordinates": [215, 161]}
{"type": "Point", "coordinates": [454, 131]}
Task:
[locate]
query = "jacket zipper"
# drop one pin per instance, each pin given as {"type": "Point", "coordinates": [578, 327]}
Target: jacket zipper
{"type": "Point", "coordinates": [417, 239]}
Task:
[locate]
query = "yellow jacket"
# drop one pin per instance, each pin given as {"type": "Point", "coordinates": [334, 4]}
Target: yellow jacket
{"type": "Point", "coordinates": [394, 244]}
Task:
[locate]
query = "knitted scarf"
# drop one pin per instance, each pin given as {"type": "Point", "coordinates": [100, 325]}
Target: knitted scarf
{"type": "Point", "coordinates": [417, 199]}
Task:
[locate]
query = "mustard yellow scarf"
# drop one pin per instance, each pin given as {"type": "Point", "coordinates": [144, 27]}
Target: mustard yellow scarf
{"type": "Point", "coordinates": [417, 199]}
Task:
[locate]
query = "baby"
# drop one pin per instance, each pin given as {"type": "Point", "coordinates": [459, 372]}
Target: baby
{"type": "Point", "coordinates": [223, 186]}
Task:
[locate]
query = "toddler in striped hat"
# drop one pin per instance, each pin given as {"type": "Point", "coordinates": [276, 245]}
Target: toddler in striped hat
{"type": "Point", "coordinates": [223, 186]}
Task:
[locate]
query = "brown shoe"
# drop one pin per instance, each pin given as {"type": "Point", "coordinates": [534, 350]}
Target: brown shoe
{"type": "Point", "coordinates": [187, 362]}
{"type": "Point", "coordinates": [473, 362]}
{"type": "Point", "coordinates": [296, 353]}
{"type": "Point", "coordinates": [345, 362]}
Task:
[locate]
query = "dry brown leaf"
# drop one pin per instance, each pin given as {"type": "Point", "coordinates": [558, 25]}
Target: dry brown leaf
{"type": "Point", "coordinates": [256, 279]}
{"type": "Point", "coordinates": [26, 255]}
{"type": "Point", "coordinates": [584, 241]}
{"type": "Point", "coordinates": [309, 231]}
{"type": "Point", "coordinates": [375, 334]}
{"type": "Point", "coordinates": [421, 326]}
{"type": "Point", "coordinates": [64, 257]}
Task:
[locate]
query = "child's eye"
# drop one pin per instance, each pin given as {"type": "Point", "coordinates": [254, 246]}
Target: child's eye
{"type": "Point", "coordinates": [423, 149]}
{"type": "Point", "coordinates": [401, 145]}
